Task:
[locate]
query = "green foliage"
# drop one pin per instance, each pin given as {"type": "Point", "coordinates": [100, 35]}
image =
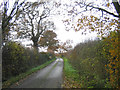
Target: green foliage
{"type": "Point", "coordinates": [71, 76]}
{"type": "Point", "coordinates": [98, 62]}
{"type": "Point", "coordinates": [89, 60]}
{"type": "Point", "coordinates": [16, 60]}
{"type": "Point", "coordinates": [12, 80]}
{"type": "Point", "coordinates": [111, 51]}
{"type": "Point", "coordinates": [13, 60]}
{"type": "Point", "coordinates": [70, 71]}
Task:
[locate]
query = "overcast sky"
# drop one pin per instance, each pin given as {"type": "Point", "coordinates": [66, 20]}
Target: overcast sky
{"type": "Point", "coordinates": [77, 37]}
{"type": "Point", "coordinates": [64, 35]}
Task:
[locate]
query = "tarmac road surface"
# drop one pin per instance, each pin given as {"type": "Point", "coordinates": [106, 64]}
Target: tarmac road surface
{"type": "Point", "coordinates": [48, 77]}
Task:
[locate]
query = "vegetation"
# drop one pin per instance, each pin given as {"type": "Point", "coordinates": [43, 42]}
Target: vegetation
{"type": "Point", "coordinates": [16, 60]}
{"type": "Point", "coordinates": [87, 58]}
{"type": "Point", "coordinates": [26, 20]}
{"type": "Point", "coordinates": [111, 51]}
{"type": "Point", "coordinates": [13, 80]}
{"type": "Point", "coordinates": [49, 40]}
{"type": "Point", "coordinates": [8, 15]}
{"type": "Point", "coordinates": [96, 63]}
{"type": "Point", "coordinates": [33, 21]}
{"type": "Point", "coordinates": [92, 64]}
{"type": "Point", "coordinates": [71, 76]}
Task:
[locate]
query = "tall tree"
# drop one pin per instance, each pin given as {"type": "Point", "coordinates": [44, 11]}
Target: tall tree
{"type": "Point", "coordinates": [99, 19]}
{"type": "Point", "coordinates": [9, 15]}
{"type": "Point", "coordinates": [105, 8]}
{"type": "Point", "coordinates": [49, 40]}
{"type": "Point", "coordinates": [33, 22]}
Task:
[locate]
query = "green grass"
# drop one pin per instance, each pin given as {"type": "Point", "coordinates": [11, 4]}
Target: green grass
{"type": "Point", "coordinates": [13, 80]}
{"type": "Point", "coordinates": [69, 71]}
{"type": "Point", "coordinates": [71, 76]}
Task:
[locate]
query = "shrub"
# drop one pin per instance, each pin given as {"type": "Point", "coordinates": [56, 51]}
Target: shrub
{"type": "Point", "coordinates": [17, 59]}
{"type": "Point", "coordinates": [89, 60]}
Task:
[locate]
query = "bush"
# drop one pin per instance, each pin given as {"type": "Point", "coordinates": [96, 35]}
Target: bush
{"type": "Point", "coordinates": [13, 60]}
{"type": "Point", "coordinates": [16, 59]}
{"type": "Point", "coordinates": [89, 60]}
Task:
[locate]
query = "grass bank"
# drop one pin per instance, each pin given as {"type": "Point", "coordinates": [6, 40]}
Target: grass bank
{"type": "Point", "coordinates": [13, 80]}
{"type": "Point", "coordinates": [71, 76]}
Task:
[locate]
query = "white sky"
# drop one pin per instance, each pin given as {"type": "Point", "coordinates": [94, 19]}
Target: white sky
{"type": "Point", "coordinates": [77, 37]}
{"type": "Point", "coordinates": [64, 35]}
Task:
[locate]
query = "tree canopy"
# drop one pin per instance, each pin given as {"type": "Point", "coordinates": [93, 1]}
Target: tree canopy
{"type": "Point", "coordinates": [9, 15]}
{"type": "Point", "coordinates": [33, 22]}
{"type": "Point", "coordinates": [49, 40]}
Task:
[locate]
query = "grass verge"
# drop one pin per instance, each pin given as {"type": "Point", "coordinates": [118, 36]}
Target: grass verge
{"type": "Point", "coordinates": [13, 80]}
{"type": "Point", "coordinates": [71, 76]}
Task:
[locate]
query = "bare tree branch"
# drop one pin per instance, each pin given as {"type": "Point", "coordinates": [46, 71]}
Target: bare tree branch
{"type": "Point", "coordinates": [117, 7]}
{"type": "Point", "coordinates": [118, 16]}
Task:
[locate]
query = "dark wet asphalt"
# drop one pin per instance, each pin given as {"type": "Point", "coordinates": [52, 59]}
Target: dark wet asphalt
{"type": "Point", "coordinates": [48, 77]}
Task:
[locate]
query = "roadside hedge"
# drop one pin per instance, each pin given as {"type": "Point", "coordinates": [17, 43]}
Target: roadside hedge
{"type": "Point", "coordinates": [17, 59]}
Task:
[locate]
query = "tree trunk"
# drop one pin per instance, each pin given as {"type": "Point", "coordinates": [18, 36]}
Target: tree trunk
{"type": "Point", "coordinates": [35, 43]}
{"type": "Point", "coordinates": [35, 46]}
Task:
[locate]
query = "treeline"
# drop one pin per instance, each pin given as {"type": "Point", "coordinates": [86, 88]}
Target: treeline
{"type": "Point", "coordinates": [17, 59]}
{"type": "Point", "coordinates": [92, 60]}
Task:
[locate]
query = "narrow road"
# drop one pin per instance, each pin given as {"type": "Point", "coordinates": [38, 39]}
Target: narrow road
{"type": "Point", "coordinates": [48, 77]}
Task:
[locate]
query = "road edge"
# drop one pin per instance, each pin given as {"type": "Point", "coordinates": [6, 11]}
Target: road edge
{"type": "Point", "coordinates": [15, 80]}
